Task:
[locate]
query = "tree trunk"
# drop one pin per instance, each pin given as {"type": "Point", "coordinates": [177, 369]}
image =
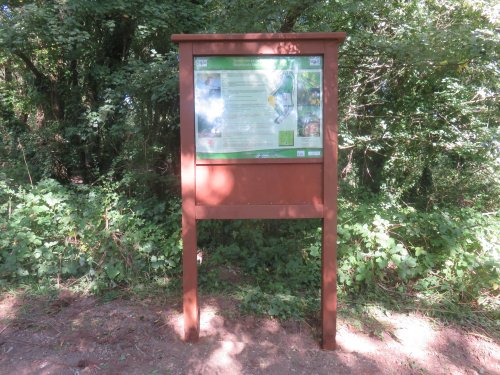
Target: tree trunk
{"type": "Point", "coordinates": [294, 13]}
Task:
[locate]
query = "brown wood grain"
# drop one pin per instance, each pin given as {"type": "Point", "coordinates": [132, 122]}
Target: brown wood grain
{"type": "Point", "coordinates": [188, 186]}
{"type": "Point", "coordinates": [260, 161]}
{"type": "Point", "coordinates": [258, 37]}
{"type": "Point", "coordinates": [329, 251]}
{"type": "Point", "coordinates": [249, 184]}
{"type": "Point", "coordinates": [263, 211]}
{"type": "Point", "coordinates": [296, 47]}
{"type": "Point", "coordinates": [260, 188]}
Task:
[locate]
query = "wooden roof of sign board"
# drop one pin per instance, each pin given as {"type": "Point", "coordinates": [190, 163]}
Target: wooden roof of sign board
{"type": "Point", "coordinates": [340, 36]}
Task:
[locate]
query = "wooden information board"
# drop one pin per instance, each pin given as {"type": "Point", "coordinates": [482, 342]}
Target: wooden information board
{"type": "Point", "coordinates": [259, 141]}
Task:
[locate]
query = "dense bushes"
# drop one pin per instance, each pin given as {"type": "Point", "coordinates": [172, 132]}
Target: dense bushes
{"type": "Point", "coordinates": [89, 94]}
{"type": "Point", "coordinates": [451, 254]}
{"type": "Point", "coordinates": [54, 232]}
{"type": "Point", "coordinates": [101, 238]}
{"type": "Point", "coordinates": [449, 250]}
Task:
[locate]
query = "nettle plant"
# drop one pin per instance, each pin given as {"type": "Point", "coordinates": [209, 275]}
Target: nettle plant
{"type": "Point", "coordinates": [368, 252]}
{"type": "Point", "coordinates": [53, 232]}
{"type": "Point", "coordinates": [454, 251]}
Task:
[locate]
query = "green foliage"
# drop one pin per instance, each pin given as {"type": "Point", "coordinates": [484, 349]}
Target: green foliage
{"type": "Point", "coordinates": [98, 235]}
{"type": "Point", "coordinates": [445, 250]}
{"type": "Point", "coordinates": [448, 255]}
{"type": "Point", "coordinates": [89, 118]}
{"type": "Point", "coordinates": [282, 304]}
{"type": "Point", "coordinates": [91, 88]}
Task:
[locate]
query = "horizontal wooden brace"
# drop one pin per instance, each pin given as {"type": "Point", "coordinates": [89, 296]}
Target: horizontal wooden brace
{"type": "Point", "coordinates": [289, 211]}
{"type": "Point", "coordinates": [259, 161]}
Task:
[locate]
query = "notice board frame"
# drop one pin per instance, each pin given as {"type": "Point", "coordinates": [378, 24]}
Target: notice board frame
{"type": "Point", "coordinates": [273, 188]}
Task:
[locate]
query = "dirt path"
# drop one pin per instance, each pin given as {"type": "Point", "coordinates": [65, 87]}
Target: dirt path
{"type": "Point", "coordinates": [80, 335]}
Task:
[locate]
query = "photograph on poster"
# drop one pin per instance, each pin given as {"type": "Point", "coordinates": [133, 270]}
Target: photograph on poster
{"type": "Point", "coordinates": [281, 99]}
{"type": "Point", "coordinates": [309, 104]}
{"type": "Point", "coordinates": [210, 104]}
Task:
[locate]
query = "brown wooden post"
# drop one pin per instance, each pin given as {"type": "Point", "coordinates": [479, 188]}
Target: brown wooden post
{"type": "Point", "coordinates": [188, 175]}
{"type": "Point", "coordinates": [272, 188]}
{"type": "Point", "coordinates": [329, 252]}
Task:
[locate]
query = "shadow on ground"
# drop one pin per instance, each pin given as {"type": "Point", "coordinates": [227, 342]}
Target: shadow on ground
{"type": "Point", "coordinates": [72, 334]}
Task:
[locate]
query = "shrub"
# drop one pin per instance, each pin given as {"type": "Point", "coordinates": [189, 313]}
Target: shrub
{"type": "Point", "coordinates": [55, 231]}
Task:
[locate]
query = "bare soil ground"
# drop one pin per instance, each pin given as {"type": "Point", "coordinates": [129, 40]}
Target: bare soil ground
{"type": "Point", "coordinates": [74, 334]}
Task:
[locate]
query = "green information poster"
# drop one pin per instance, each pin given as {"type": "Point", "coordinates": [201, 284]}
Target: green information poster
{"type": "Point", "coordinates": [258, 107]}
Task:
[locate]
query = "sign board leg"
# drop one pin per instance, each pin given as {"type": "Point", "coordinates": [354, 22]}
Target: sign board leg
{"type": "Point", "coordinates": [188, 180]}
{"type": "Point", "coordinates": [190, 281]}
{"type": "Point", "coordinates": [329, 254]}
{"type": "Point", "coordinates": [329, 284]}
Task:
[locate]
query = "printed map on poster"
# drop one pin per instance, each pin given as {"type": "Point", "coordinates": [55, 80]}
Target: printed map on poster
{"type": "Point", "coordinates": [258, 107]}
